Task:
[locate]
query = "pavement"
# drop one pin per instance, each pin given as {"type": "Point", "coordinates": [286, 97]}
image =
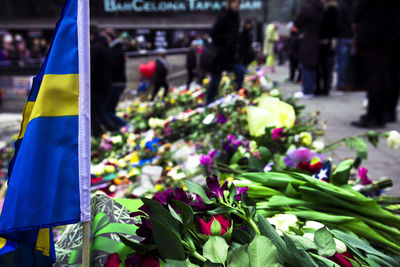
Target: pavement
{"type": "Point", "coordinates": [338, 109]}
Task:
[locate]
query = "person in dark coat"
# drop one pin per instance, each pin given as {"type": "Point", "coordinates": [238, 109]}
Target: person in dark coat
{"type": "Point", "coordinates": [375, 24]}
{"type": "Point", "coordinates": [191, 63]}
{"type": "Point", "coordinates": [100, 81]}
{"type": "Point", "coordinates": [328, 31]}
{"type": "Point", "coordinates": [246, 51]}
{"type": "Point", "coordinates": [160, 75]}
{"type": "Point", "coordinates": [118, 77]}
{"type": "Point", "coordinates": [225, 35]}
{"type": "Point", "coordinates": [292, 47]}
{"type": "Point", "coordinates": [308, 22]}
{"type": "Point", "coordinates": [345, 40]}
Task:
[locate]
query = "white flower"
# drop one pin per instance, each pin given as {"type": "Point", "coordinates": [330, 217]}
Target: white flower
{"type": "Point", "coordinates": [282, 222]}
{"type": "Point", "coordinates": [274, 93]}
{"type": "Point", "coordinates": [340, 246]}
{"type": "Point", "coordinates": [318, 144]}
{"type": "Point", "coordinates": [393, 139]}
{"type": "Point", "coordinates": [156, 122]}
{"type": "Point", "coordinates": [208, 119]}
{"type": "Point", "coordinates": [116, 139]}
{"type": "Point", "coordinates": [314, 225]}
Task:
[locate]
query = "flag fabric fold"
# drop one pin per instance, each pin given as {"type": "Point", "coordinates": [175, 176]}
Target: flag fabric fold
{"type": "Point", "coordinates": [49, 175]}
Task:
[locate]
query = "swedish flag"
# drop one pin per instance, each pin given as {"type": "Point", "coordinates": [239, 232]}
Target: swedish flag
{"type": "Point", "coordinates": [50, 172]}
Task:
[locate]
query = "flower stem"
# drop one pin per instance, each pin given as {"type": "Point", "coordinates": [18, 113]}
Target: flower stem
{"type": "Point", "coordinates": [253, 224]}
{"type": "Point", "coordinates": [199, 257]}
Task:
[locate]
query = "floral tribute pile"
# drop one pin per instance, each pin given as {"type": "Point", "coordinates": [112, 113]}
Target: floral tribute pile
{"type": "Point", "coordinates": [244, 181]}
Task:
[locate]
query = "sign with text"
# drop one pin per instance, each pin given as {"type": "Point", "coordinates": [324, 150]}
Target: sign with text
{"type": "Point", "coordinates": [155, 6]}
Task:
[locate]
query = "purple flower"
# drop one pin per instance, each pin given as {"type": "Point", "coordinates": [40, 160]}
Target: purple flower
{"type": "Point", "coordinates": [362, 172]}
{"type": "Point", "coordinates": [221, 119]}
{"type": "Point", "coordinates": [212, 153]}
{"type": "Point", "coordinates": [302, 154]}
{"type": "Point", "coordinates": [205, 160]}
{"type": "Point", "coordinates": [240, 191]}
{"type": "Point", "coordinates": [268, 167]}
{"type": "Point", "coordinates": [277, 134]}
{"type": "Point", "coordinates": [215, 188]}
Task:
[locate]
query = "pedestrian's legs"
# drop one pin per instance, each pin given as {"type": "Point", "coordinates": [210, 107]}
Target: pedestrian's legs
{"type": "Point", "coordinates": [213, 87]}
{"type": "Point", "coordinates": [155, 91]}
{"type": "Point", "coordinates": [112, 102]}
{"type": "Point", "coordinates": [309, 77]}
{"type": "Point", "coordinates": [166, 88]}
{"type": "Point", "coordinates": [239, 71]}
{"type": "Point", "coordinates": [191, 75]}
{"type": "Point", "coordinates": [342, 58]}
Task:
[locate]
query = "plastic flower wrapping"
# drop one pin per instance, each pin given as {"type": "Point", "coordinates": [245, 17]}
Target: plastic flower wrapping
{"type": "Point", "coordinates": [244, 181]}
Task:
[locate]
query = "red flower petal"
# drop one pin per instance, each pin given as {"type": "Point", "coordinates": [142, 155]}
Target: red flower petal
{"type": "Point", "coordinates": [112, 260]}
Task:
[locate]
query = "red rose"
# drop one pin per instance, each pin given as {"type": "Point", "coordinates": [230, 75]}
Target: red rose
{"type": "Point", "coordinates": [205, 227]}
{"type": "Point", "coordinates": [341, 259]}
{"type": "Point", "coordinates": [112, 260]}
{"type": "Point", "coordinates": [314, 168]}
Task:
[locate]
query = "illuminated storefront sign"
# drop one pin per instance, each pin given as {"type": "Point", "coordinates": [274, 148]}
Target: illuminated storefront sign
{"type": "Point", "coordinates": [111, 6]}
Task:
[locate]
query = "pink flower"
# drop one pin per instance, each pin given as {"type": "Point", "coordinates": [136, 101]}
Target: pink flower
{"type": "Point", "coordinates": [362, 172]}
{"type": "Point", "coordinates": [150, 262]}
{"type": "Point", "coordinates": [277, 134]}
{"type": "Point", "coordinates": [112, 260]}
{"type": "Point", "coordinates": [124, 129]}
{"type": "Point", "coordinates": [205, 227]}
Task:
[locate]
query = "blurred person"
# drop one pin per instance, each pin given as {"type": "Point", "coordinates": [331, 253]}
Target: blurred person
{"type": "Point", "coordinates": [160, 74]}
{"type": "Point", "coordinates": [181, 41]}
{"type": "Point", "coordinates": [391, 108]}
{"type": "Point", "coordinates": [9, 52]}
{"type": "Point", "coordinates": [192, 59]}
{"type": "Point", "coordinates": [36, 50]}
{"type": "Point", "coordinates": [118, 77]}
{"type": "Point", "coordinates": [149, 46]}
{"type": "Point", "coordinates": [308, 22]}
{"type": "Point", "coordinates": [225, 36]}
{"type": "Point", "coordinates": [375, 25]}
{"type": "Point", "coordinates": [246, 51]}
{"type": "Point", "coordinates": [293, 46]}
{"type": "Point", "coordinates": [44, 45]}
{"type": "Point", "coordinates": [270, 41]}
{"type": "Point", "coordinates": [100, 80]}
{"type": "Point", "coordinates": [328, 32]}
{"type": "Point", "coordinates": [345, 40]}
{"type": "Point", "coordinates": [23, 53]}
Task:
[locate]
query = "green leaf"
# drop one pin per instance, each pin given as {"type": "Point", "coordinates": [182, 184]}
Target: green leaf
{"type": "Point", "coordinates": [174, 214]}
{"type": "Point", "coordinates": [325, 243]}
{"type": "Point", "coordinates": [160, 214]}
{"type": "Point", "coordinates": [302, 242]}
{"type": "Point", "coordinates": [256, 164]}
{"type": "Point", "coordinates": [215, 228]}
{"type": "Point", "coordinates": [174, 263]}
{"type": "Point", "coordinates": [168, 243]}
{"type": "Point", "coordinates": [185, 210]}
{"type": "Point", "coordinates": [216, 249]}
{"type": "Point", "coordinates": [241, 237]}
{"type": "Point", "coordinates": [290, 191]}
{"type": "Point", "coordinates": [326, 262]}
{"type": "Point", "coordinates": [220, 210]}
{"type": "Point", "coordinates": [262, 252]}
{"type": "Point", "coordinates": [190, 264]}
{"type": "Point", "coordinates": [197, 189]}
{"type": "Point", "coordinates": [264, 153]}
{"type": "Point", "coordinates": [238, 257]}
{"type": "Point", "coordinates": [301, 257]}
{"type": "Point", "coordinates": [232, 193]}
{"type": "Point", "coordinates": [135, 245]}
{"type": "Point", "coordinates": [373, 138]}
{"type": "Point", "coordinates": [341, 174]}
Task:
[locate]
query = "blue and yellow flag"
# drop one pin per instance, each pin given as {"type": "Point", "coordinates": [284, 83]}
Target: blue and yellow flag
{"type": "Point", "coordinates": [49, 181]}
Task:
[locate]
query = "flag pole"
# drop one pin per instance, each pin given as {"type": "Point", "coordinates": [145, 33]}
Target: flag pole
{"type": "Point", "coordinates": [83, 25]}
{"type": "Point", "coordinates": [86, 245]}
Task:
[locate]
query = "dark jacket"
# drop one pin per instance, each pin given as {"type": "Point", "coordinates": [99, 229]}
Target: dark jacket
{"type": "Point", "coordinates": [246, 52]}
{"type": "Point", "coordinates": [225, 35]}
{"type": "Point", "coordinates": [191, 60]}
{"type": "Point", "coordinates": [309, 22]}
{"type": "Point", "coordinates": [100, 67]}
{"type": "Point", "coordinates": [345, 19]}
{"type": "Point", "coordinates": [329, 24]}
{"type": "Point", "coordinates": [160, 75]}
{"type": "Point", "coordinates": [118, 72]}
{"type": "Point", "coordinates": [376, 22]}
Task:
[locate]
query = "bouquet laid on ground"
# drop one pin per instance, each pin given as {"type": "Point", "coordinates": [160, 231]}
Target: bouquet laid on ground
{"type": "Point", "coordinates": [219, 225]}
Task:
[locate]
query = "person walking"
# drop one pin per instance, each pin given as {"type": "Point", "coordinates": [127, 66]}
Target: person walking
{"type": "Point", "coordinates": [225, 36]}
{"type": "Point", "coordinates": [270, 41]}
{"type": "Point", "coordinates": [160, 74]}
{"type": "Point", "coordinates": [191, 63]}
{"type": "Point", "coordinates": [375, 24]}
{"type": "Point", "coordinates": [308, 22]}
{"type": "Point", "coordinates": [100, 81]}
{"type": "Point", "coordinates": [246, 51]}
{"type": "Point", "coordinates": [293, 47]}
{"type": "Point", "coordinates": [328, 32]}
{"type": "Point", "coordinates": [118, 77]}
